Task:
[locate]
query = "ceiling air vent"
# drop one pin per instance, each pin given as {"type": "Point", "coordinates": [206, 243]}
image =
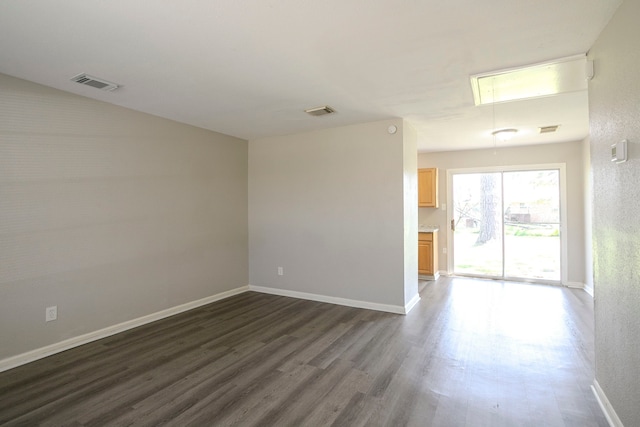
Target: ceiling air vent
{"type": "Point", "coordinates": [88, 80]}
{"type": "Point", "coordinates": [549, 129]}
{"type": "Point", "coordinates": [320, 111]}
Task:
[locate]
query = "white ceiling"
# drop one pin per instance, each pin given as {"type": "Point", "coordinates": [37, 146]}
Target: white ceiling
{"type": "Point", "coordinates": [249, 68]}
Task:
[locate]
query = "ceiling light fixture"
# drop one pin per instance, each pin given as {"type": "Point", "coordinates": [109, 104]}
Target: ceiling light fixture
{"type": "Point", "coordinates": [501, 135]}
{"type": "Point", "coordinates": [504, 134]}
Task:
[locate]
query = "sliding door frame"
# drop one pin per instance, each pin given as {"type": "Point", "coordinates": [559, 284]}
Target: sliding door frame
{"type": "Point", "coordinates": [561, 167]}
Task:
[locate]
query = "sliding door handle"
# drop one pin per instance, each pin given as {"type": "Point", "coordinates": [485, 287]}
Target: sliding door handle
{"type": "Point", "coordinates": [453, 225]}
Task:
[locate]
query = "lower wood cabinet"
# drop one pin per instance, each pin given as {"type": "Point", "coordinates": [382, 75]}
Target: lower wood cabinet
{"type": "Point", "coordinates": [428, 255]}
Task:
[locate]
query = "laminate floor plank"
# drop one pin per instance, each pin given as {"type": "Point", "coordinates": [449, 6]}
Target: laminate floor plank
{"type": "Point", "coordinates": [354, 383]}
{"type": "Point", "coordinates": [471, 353]}
{"type": "Point", "coordinates": [305, 397]}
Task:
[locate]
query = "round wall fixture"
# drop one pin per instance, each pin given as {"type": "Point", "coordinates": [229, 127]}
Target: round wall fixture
{"type": "Point", "coordinates": [392, 129]}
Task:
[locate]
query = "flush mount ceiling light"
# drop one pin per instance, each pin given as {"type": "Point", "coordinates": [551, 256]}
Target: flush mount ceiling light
{"type": "Point", "coordinates": [320, 111]}
{"type": "Point", "coordinates": [504, 134]}
{"type": "Point", "coordinates": [543, 79]}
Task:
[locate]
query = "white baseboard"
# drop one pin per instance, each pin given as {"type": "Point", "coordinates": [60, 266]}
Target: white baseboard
{"type": "Point", "coordinates": [604, 403]}
{"type": "Point", "coordinates": [575, 285]}
{"type": "Point", "coordinates": [397, 309]}
{"type": "Point", "coordinates": [408, 306]}
{"type": "Point", "coordinates": [580, 285]}
{"type": "Point", "coordinates": [588, 288]}
{"type": "Point", "coordinates": [39, 353]}
{"type": "Point", "coordinates": [435, 276]}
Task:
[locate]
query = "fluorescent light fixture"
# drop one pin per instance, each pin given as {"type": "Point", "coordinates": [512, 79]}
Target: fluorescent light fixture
{"type": "Point", "coordinates": [504, 134]}
{"type": "Point", "coordinates": [533, 81]}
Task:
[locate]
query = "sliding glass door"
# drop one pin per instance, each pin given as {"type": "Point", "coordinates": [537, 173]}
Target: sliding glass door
{"type": "Point", "coordinates": [506, 224]}
{"type": "Point", "coordinates": [477, 237]}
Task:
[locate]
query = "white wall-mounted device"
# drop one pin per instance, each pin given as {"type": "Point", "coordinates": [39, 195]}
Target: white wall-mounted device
{"type": "Point", "coordinates": [619, 151]}
{"type": "Point", "coordinates": [588, 70]}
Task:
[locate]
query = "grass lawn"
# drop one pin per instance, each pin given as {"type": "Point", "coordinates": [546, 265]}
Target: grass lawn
{"type": "Point", "coordinates": [533, 254]}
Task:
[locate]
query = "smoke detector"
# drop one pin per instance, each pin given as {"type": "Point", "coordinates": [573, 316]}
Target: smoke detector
{"type": "Point", "coordinates": [320, 111]}
{"type": "Point", "coordinates": [87, 80]}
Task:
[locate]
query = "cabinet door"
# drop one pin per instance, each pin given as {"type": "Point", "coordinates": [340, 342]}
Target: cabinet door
{"type": "Point", "coordinates": [428, 188]}
{"type": "Point", "coordinates": [425, 256]}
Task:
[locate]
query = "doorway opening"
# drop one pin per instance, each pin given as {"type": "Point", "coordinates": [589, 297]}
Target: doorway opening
{"type": "Point", "coordinates": [507, 223]}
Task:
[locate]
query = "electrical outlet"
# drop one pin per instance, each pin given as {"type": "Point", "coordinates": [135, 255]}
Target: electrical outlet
{"type": "Point", "coordinates": [444, 250]}
{"type": "Point", "coordinates": [280, 271]}
{"type": "Point", "coordinates": [51, 313]}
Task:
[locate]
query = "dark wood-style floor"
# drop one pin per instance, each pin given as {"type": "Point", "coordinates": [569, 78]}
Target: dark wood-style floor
{"type": "Point", "coordinates": [472, 353]}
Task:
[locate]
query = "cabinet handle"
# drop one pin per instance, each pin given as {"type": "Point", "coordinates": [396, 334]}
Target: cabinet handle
{"type": "Point", "coordinates": [453, 225]}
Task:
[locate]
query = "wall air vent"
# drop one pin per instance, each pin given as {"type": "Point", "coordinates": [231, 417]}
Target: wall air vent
{"type": "Point", "coordinates": [549, 129]}
{"type": "Point", "coordinates": [85, 79]}
{"type": "Point", "coordinates": [320, 111]}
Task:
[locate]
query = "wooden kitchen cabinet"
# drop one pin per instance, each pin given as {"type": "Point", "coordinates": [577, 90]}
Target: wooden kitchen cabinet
{"type": "Point", "coordinates": [428, 255]}
{"type": "Point", "coordinates": [428, 188]}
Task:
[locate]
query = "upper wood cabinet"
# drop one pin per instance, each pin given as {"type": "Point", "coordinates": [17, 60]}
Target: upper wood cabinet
{"type": "Point", "coordinates": [428, 188]}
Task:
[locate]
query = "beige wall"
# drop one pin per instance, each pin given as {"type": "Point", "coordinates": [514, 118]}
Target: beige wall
{"type": "Point", "coordinates": [328, 207]}
{"type": "Point", "coordinates": [614, 110]}
{"type": "Point", "coordinates": [410, 173]}
{"type": "Point", "coordinates": [570, 153]}
{"type": "Point", "coordinates": [110, 214]}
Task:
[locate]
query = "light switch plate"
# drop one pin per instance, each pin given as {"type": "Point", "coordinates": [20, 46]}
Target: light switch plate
{"type": "Point", "coordinates": [619, 151]}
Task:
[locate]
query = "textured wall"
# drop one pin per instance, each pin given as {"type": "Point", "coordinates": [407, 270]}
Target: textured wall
{"type": "Point", "coordinates": [588, 216]}
{"type": "Point", "coordinates": [327, 206]}
{"type": "Point", "coordinates": [614, 110]}
{"type": "Point", "coordinates": [570, 153]}
{"type": "Point", "coordinates": [110, 214]}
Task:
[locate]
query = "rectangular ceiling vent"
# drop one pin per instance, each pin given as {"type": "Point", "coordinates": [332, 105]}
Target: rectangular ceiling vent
{"type": "Point", "coordinates": [85, 79]}
{"type": "Point", "coordinates": [320, 111]}
{"type": "Point", "coordinates": [549, 129]}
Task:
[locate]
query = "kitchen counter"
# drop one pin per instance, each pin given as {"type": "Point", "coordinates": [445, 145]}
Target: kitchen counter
{"type": "Point", "coordinates": [428, 229]}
